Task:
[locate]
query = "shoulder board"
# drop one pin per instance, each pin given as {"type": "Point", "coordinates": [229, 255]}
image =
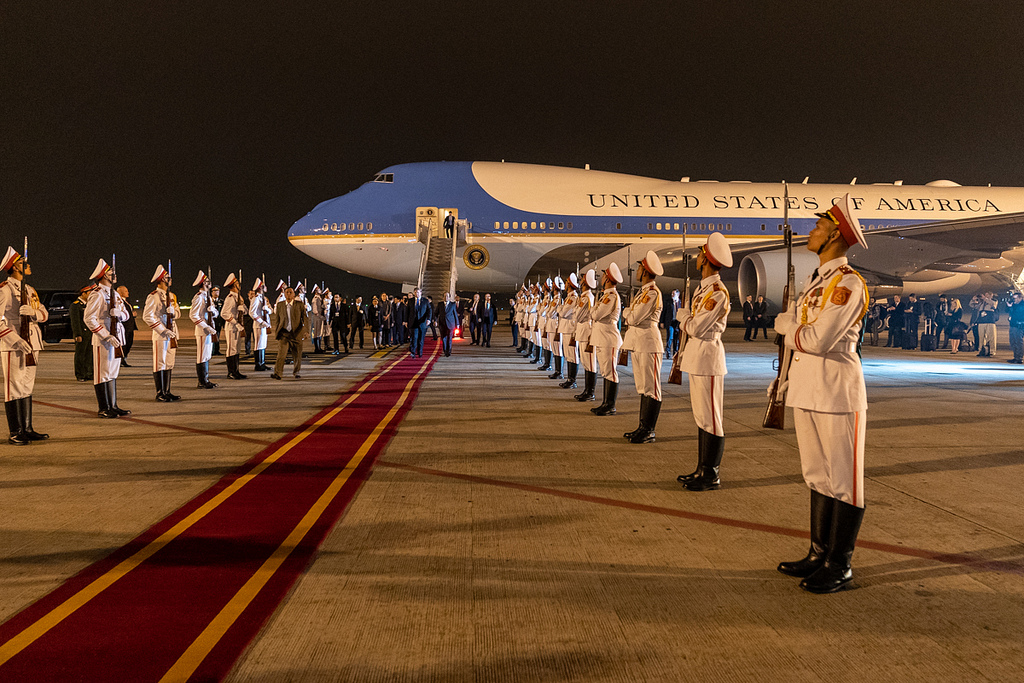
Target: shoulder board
{"type": "Point", "coordinates": [716, 287]}
{"type": "Point", "coordinates": [847, 270]}
{"type": "Point", "coordinates": [154, 292]}
{"type": "Point", "coordinates": [3, 284]}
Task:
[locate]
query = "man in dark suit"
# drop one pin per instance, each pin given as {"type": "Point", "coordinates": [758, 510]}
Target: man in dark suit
{"type": "Point", "coordinates": [399, 321]}
{"type": "Point", "coordinates": [433, 318]}
{"type": "Point", "coordinates": [669, 323]}
{"type": "Point", "coordinates": [288, 325]}
{"type": "Point", "coordinates": [761, 317]}
{"type": "Point", "coordinates": [449, 225]}
{"type": "Point", "coordinates": [449, 320]}
{"type": "Point", "coordinates": [748, 317]}
{"type": "Point", "coordinates": [357, 319]}
{"type": "Point", "coordinates": [339, 316]}
{"type": "Point", "coordinates": [475, 315]}
{"type": "Point", "coordinates": [386, 310]}
{"type": "Point", "coordinates": [488, 316]}
{"type": "Point", "coordinates": [419, 318]}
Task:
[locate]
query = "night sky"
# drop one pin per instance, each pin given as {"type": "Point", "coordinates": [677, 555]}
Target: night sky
{"type": "Point", "coordinates": [200, 131]}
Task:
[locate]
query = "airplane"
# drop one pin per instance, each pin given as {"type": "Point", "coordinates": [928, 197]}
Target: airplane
{"type": "Point", "coordinates": [523, 222]}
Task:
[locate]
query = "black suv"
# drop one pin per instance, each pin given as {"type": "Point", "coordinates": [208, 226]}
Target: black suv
{"type": "Point", "coordinates": [57, 303]}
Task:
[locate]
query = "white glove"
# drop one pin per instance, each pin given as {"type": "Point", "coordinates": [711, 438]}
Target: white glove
{"type": "Point", "coordinates": [27, 310]}
{"type": "Point", "coordinates": [22, 346]}
{"type": "Point", "coordinates": [167, 334]}
{"type": "Point", "coordinates": [783, 388]}
{"type": "Point", "coordinates": [207, 329]}
{"type": "Point", "coordinates": [785, 323]}
{"type": "Point", "coordinates": [112, 342]}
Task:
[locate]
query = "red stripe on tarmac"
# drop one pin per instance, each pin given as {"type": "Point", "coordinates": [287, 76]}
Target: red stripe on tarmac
{"type": "Point", "coordinates": [961, 559]}
{"type": "Point", "coordinates": [197, 561]}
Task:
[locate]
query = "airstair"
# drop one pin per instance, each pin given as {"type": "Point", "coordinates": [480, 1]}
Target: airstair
{"type": "Point", "coordinates": [437, 268]}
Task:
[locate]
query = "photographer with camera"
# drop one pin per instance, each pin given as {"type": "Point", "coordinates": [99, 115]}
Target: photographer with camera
{"type": "Point", "coordinates": [987, 316]}
{"type": "Point", "coordinates": [1015, 311]}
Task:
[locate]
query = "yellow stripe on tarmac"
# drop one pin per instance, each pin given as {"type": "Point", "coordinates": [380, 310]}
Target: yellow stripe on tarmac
{"type": "Point", "coordinates": [39, 628]}
{"type": "Point", "coordinates": [212, 634]}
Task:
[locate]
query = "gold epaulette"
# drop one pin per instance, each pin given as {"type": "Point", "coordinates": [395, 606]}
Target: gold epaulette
{"type": "Point", "coordinates": [847, 270]}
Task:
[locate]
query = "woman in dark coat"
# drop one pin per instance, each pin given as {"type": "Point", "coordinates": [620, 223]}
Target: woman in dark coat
{"type": "Point", "coordinates": [373, 318]}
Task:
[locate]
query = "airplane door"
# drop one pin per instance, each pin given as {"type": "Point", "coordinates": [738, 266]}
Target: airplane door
{"type": "Point", "coordinates": [428, 222]}
{"type": "Point", "coordinates": [445, 212]}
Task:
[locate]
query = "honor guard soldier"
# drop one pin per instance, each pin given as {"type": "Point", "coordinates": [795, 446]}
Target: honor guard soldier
{"type": "Point", "coordinates": [553, 324]}
{"type": "Point", "coordinates": [259, 311]}
{"type": "Point", "coordinates": [542, 326]}
{"type": "Point", "coordinates": [703, 360]}
{"type": "Point", "coordinates": [520, 320]}
{"type": "Point", "coordinates": [317, 318]}
{"type": "Point", "coordinates": [605, 336]}
{"type": "Point", "coordinates": [643, 338]}
{"type": "Point", "coordinates": [829, 400]}
{"type": "Point", "coordinates": [583, 336]}
{"type": "Point", "coordinates": [233, 312]}
{"type": "Point", "coordinates": [20, 341]}
{"type": "Point", "coordinates": [280, 292]}
{"type": "Point", "coordinates": [104, 315]}
{"type": "Point", "coordinates": [567, 331]}
{"type": "Point", "coordinates": [203, 313]}
{"type": "Point", "coordinates": [161, 314]}
{"type": "Point", "coordinates": [534, 314]}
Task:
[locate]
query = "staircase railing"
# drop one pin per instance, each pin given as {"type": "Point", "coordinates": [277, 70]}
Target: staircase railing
{"type": "Point", "coordinates": [423, 260]}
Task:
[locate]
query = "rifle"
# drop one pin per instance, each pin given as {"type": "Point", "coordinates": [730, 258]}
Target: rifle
{"type": "Point", "coordinates": [112, 310]}
{"type": "Point", "coordinates": [26, 322]}
{"type": "Point", "coordinates": [775, 413]}
{"type": "Point", "coordinates": [215, 338]}
{"type": "Point", "coordinates": [624, 353]}
{"type": "Point", "coordinates": [168, 318]}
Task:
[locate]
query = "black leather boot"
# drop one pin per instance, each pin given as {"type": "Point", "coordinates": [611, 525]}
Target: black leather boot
{"type": "Point", "coordinates": [547, 361]}
{"type": "Point", "coordinates": [570, 380]}
{"type": "Point", "coordinates": [611, 392]}
{"type": "Point", "coordinates": [557, 374]}
{"type": "Point", "coordinates": [837, 569]}
{"type": "Point", "coordinates": [821, 530]}
{"type": "Point", "coordinates": [233, 372]}
{"type": "Point", "coordinates": [649, 412]}
{"type": "Point", "coordinates": [589, 381]}
{"type": "Point", "coordinates": [112, 399]}
{"type": "Point", "coordinates": [714, 447]}
{"type": "Point", "coordinates": [640, 427]}
{"type": "Point", "coordinates": [701, 446]}
{"type": "Point", "coordinates": [32, 434]}
{"type": "Point", "coordinates": [14, 422]}
{"type": "Point", "coordinates": [104, 402]}
{"type": "Point", "coordinates": [158, 379]}
{"type": "Point", "coordinates": [167, 386]}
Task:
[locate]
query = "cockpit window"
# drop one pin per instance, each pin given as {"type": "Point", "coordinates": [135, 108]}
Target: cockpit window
{"type": "Point", "coordinates": [384, 178]}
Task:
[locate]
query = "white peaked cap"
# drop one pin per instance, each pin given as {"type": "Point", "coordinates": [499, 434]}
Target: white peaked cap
{"type": "Point", "coordinates": [256, 285]}
{"type": "Point", "coordinates": [591, 278]}
{"type": "Point", "coordinates": [160, 274]}
{"type": "Point", "coordinates": [652, 264]}
{"type": "Point", "coordinates": [574, 280]}
{"type": "Point", "coordinates": [101, 269]}
{"type": "Point", "coordinates": [559, 282]}
{"type": "Point", "coordinates": [718, 251]}
{"type": "Point", "coordinates": [10, 258]}
{"type": "Point", "coordinates": [280, 285]}
{"type": "Point", "coordinates": [199, 279]}
{"type": "Point", "coordinates": [549, 282]}
{"type": "Point", "coordinates": [232, 278]}
{"type": "Point", "coordinates": [614, 273]}
{"type": "Point", "coordinates": [316, 288]}
{"type": "Point", "coordinates": [841, 214]}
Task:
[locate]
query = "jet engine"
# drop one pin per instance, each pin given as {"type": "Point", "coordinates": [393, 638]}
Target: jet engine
{"type": "Point", "coordinates": [764, 274]}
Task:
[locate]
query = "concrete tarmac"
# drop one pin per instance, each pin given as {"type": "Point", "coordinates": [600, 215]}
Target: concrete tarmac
{"type": "Point", "coordinates": [508, 534]}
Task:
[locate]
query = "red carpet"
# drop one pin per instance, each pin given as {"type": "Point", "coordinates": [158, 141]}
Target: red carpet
{"type": "Point", "coordinates": [182, 601]}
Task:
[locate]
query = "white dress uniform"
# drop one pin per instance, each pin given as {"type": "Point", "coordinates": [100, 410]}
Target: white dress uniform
{"type": "Point", "coordinates": [826, 380]}
{"type": "Point", "coordinates": [643, 338]}
{"type": "Point", "coordinates": [259, 311]}
{"type": "Point", "coordinates": [542, 322]}
{"type": "Point", "coordinates": [100, 318]}
{"type": "Point", "coordinates": [203, 313]}
{"type": "Point", "coordinates": [567, 326]}
{"type": "Point", "coordinates": [551, 324]}
{"type": "Point", "coordinates": [583, 326]}
{"type": "Point", "coordinates": [604, 333]}
{"type": "Point", "coordinates": [161, 307]}
{"type": "Point", "coordinates": [233, 312]}
{"type": "Point", "coordinates": [19, 379]}
{"type": "Point", "coordinates": [703, 356]}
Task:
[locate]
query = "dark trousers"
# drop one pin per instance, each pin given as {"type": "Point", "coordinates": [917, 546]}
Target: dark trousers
{"type": "Point", "coordinates": [433, 329]}
{"type": "Point", "coordinates": [416, 343]}
{"type": "Point", "coordinates": [340, 338]}
{"type": "Point", "coordinates": [672, 340]}
{"type": "Point", "coordinates": [515, 334]}
{"type": "Point", "coordinates": [474, 330]}
{"type": "Point", "coordinates": [1017, 341]}
{"type": "Point", "coordinates": [485, 332]}
{"type": "Point", "coordinates": [83, 358]}
{"type": "Point", "coordinates": [750, 328]}
{"type": "Point", "coordinates": [385, 334]}
{"type": "Point", "coordinates": [446, 341]}
{"type": "Point", "coordinates": [285, 345]}
{"type": "Point", "coordinates": [352, 337]}
{"type": "Point", "coordinates": [129, 340]}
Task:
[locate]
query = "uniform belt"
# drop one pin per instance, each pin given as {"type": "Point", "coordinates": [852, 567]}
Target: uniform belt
{"type": "Point", "coordinates": [846, 347]}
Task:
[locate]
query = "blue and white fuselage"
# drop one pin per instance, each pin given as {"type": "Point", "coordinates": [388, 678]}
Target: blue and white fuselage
{"type": "Point", "coordinates": [530, 219]}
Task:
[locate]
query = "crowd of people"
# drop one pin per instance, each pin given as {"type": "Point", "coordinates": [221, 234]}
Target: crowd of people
{"type": "Point", "coordinates": [914, 322]}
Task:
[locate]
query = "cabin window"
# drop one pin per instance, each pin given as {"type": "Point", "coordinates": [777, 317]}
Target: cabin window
{"type": "Point", "coordinates": [618, 226]}
{"type": "Point", "coordinates": [728, 226]}
{"type": "Point", "coordinates": [369, 226]}
{"type": "Point", "coordinates": [360, 226]}
{"type": "Point", "coordinates": [543, 225]}
{"type": "Point", "coordinates": [497, 225]}
{"type": "Point", "coordinates": [533, 225]}
{"type": "Point", "coordinates": [569, 226]}
{"type": "Point", "coordinates": [650, 226]}
{"type": "Point", "coordinates": [657, 226]}
{"type": "Point", "coordinates": [702, 226]}
{"type": "Point", "coordinates": [342, 226]}
{"type": "Point", "coordinates": [506, 225]}
{"type": "Point", "coordinates": [515, 225]}
{"type": "Point", "coordinates": [780, 226]}
{"type": "Point", "coordinates": [561, 225]}
{"type": "Point", "coordinates": [675, 226]}
{"type": "Point", "coordinates": [762, 227]}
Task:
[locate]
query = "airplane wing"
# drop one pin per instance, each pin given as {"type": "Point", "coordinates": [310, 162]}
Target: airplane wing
{"type": "Point", "coordinates": [989, 234]}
